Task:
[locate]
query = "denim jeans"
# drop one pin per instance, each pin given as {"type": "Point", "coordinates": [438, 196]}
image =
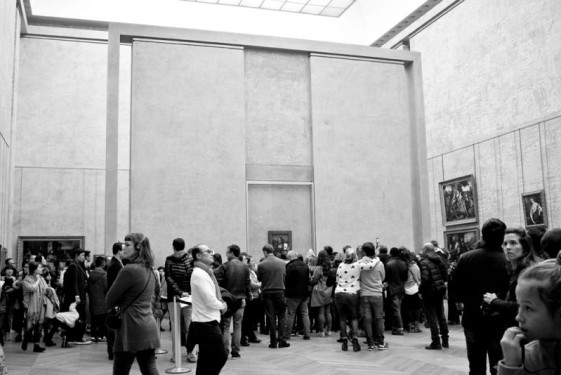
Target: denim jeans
{"type": "Point", "coordinates": [250, 318]}
{"type": "Point", "coordinates": [275, 307]}
{"type": "Point", "coordinates": [212, 354]}
{"type": "Point", "coordinates": [434, 311]}
{"type": "Point", "coordinates": [300, 306]}
{"type": "Point", "coordinates": [185, 315]}
{"type": "Point", "coordinates": [236, 337]}
{"type": "Point", "coordinates": [146, 361]}
{"type": "Point", "coordinates": [482, 341]}
{"type": "Point", "coordinates": [397, 322]}
{"type": "Point", "coordinates": [373, 310]}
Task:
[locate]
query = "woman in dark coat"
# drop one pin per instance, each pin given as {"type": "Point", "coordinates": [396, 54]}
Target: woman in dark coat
{"type": "Point", "coordinates": [138, 335]}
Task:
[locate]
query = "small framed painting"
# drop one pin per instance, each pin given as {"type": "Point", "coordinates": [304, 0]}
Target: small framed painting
{"type": "Point", "coordinates": [458, 200]}
{"type": "Point", "coordinates": [534, 209]}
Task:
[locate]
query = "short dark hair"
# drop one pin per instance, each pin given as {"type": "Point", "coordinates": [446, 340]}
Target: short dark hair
{"type": "Point", "coordinates": [369, 249]}
{"type": "Point", "coordinates": [235, 250]}
{"type": "Point", "coordinates": [329, 249]}
{"type": "Point", "coordinates": [194, 251]}
{"type": "Point", "coordinates": [493, 232]}
{"type": "Point", "coordinates": [99, 261]}
{"type": "Point", "coordinates": [394, 252]}
{"type": "Point", "coordinates": [7, 261]}
{"type": "Point", "coordinates": [383, 249]}
{"type": "Point", "coordinates": [32, 266]}
{"type": "Point", "coordinates": [117, 246]}
{"type": "Point", "coordinates": [551, 242]}
{"type": "Point", "coordinates": [77, 252]}
{"type": "Point", "coordinates": [179, 244]}
{"type": "Point", "coordinates": [268, 248]}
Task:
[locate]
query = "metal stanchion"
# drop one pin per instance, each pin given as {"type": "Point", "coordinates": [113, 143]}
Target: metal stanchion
{"type": "Point", "coordinates": [177, 347]}
{"type": "Point", "coordinates": [160, 350]}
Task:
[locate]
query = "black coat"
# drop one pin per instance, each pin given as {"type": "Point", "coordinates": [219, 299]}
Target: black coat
{"type": "Point", "coordinates": [75, 283]}
{"type": "Point", "coordinates": [112, 271]}
{"type": "Point", "coordinates": [479, 271]}
{"type": "Point", "coordinates": [297, 279]}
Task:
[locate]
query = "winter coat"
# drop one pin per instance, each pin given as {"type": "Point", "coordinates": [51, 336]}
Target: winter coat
{"type": "Point", "coordinates": [396, 275]}
{"type": "Point", "coordinates": [433, 276]}
{"type": "Point", "coordinates": [97, 288]}
{"type": "Point", "coordinates": [178, 272]}
{"type": "Point", "coordinates": [297, 279]}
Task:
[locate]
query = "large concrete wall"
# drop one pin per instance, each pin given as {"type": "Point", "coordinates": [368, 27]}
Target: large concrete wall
{"type": "Point", "coordinates": [492, 89]}
{"type": "Point", "coordinates": [9, 45]}
{"type": "Point", "coordinates": [59, 187]}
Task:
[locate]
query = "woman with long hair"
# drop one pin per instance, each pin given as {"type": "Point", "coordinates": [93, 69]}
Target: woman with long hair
{"type": "Point", "coordinates": [132, 292]}
{"type": "Point", "coordinates": [34, 288]}
{"type": "Point", "coordinates": [411, 307]}
{"type": "Point", "coordinates": [517, 246]}
{"type": "Point", "coordinates": [321, 293]}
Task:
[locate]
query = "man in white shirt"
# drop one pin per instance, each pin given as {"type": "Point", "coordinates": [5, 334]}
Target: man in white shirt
{"type": "Point", "coordinates": [207, 307]}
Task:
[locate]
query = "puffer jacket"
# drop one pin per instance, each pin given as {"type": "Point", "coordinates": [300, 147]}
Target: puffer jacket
{"type": "Point", "coordinates": [432, 270]}
{"type": "Point", "coordinates": [178, 272]}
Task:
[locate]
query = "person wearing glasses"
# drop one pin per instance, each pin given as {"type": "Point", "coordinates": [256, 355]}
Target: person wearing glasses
{"type": "Point", "coordinates": [207, 309]}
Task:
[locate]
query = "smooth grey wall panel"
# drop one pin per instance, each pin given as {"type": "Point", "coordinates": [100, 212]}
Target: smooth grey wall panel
{"type": "Point", "coordinates": [552, 135]}
{"type": "Point", "coordinates": [187, 145]}
{"type": "Point", "coordinates": [509, 180]}
{"type": "Point", "coordinates": [361, 152]}
{"type": "Point", "coordinates": [278, 127]}
{"type": "Point", "coordinates": [531, 158]}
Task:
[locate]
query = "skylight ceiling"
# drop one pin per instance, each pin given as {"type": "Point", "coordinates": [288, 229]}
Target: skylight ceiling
{"type": "Point", "coordinates": [329, 8]}
{"type": "Point", "coordinates": [358, 22]}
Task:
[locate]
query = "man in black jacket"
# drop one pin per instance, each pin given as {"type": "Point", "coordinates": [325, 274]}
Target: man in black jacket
{"type": "Point", "coordinates": [296, 293]}
{"type": "Point", "coordinates": [479, 271]}
{"type": "Point", "coordinates": [75, 286]}
{"type": "Point", "coordinates": [178, 272]}
{"type": "Point", "coordinates": [396, 276]}
{"type": "Point", "coordinates": [115, 265]}
{"type": "Point", "coordinates": [433, 288]}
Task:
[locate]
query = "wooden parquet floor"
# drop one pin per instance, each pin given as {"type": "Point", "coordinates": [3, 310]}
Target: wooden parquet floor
{"type": "Point", "coordinates": [316, 356]}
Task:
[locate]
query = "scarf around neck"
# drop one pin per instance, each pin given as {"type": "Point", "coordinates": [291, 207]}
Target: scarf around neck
{"type": "Point", "coordinates": [208, 270]}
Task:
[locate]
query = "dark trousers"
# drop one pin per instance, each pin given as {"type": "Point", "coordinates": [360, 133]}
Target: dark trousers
{"type": "Point", "coordinates": [212, 354]}
{"type": "Point", "coordinates": [250, 317]}
{"type": "Point", "coordinates": [146, 361]}
{"type": "Point", "coordinates": [397, 322]}
{"type": "Point", "coordinates": [482, 341]}
{"type": "Point", "coordinates": [275, 308]}
{"type": "Point", "coordinates": [347, 306]}
{"type": "Point", "coordinates": [98, 326]}
{"type": "Point", "coordinates": [110, 341]}
{"type": "Point", "coordinates": [434, 311]}
{"type": "Point", "coordinates": [411, 309]}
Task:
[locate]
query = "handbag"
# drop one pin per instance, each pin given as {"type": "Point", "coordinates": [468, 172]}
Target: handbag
{"type": "Point", "coordinates": [114, 318]}
{"type": "Point", "coordinates": [321, 293]}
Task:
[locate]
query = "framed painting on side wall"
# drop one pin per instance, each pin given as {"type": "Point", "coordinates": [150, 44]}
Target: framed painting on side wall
{"type": "Point", "coordinates": [280, 239]}
{"type": "Point", "coordinates": [460, 241]}
{"type": "Point", "coordinates": [534, 209]}
{"type": "Point", "coordinates": [458, 200]}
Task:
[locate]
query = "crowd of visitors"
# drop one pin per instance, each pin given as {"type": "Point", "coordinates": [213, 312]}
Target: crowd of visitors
{"type": "Point", "coordinates": [507, 292]}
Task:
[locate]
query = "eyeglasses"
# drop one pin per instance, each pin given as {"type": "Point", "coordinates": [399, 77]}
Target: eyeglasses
{"type": "Point", "coordinates": [209, 251]}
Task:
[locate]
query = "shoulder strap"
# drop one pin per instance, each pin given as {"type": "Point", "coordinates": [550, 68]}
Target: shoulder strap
{"type": "Point", "coordinates": [413, 276]}
{"type": "Point", "coordinates": [139, 294]}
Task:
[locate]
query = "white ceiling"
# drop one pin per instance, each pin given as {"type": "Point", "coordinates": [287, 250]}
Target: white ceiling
{"type": "Point", "coordinates": [363, 22]}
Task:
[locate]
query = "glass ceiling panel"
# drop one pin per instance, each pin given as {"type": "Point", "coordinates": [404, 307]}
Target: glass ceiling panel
{"type": "Point", "coordinates": [328, 8]}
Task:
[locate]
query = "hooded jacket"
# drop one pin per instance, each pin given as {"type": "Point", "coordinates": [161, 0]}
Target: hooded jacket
{"type": "Point", "coordinates": [178, 272]}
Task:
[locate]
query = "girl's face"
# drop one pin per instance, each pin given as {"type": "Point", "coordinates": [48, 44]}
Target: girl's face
{"type": "Point", "coordinates": [128, 249]}
{"type": "Point", "coordinates": [533, 317]}
{"type": "Point", "coordinates": [39, 270]}
{"type": "Point", "coordinates": [512, 247]}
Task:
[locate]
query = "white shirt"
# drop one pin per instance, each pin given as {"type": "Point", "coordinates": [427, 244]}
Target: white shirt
{"type": "Point", "coordinates": [206, 307]}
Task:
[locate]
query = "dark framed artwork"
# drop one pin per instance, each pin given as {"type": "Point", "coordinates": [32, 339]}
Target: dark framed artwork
{"type": "Point", "coordinates": [458, 200]}
{"type": "Point", "coordinates": [534, 209]}
{"type": "Point", "coordinates": [460, 241]}
{"type": "Point", "coordinates": [278, 238]}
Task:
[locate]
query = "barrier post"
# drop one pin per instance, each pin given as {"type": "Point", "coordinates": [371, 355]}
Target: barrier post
{"type": "Point", "coordinates": [177, 335]}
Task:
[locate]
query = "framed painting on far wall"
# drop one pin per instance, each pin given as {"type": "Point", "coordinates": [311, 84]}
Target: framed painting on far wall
{"type": "Point", "coordinates": [534, 209]}
{"type": "Point", "coordinates": [460, 241]}
{"type": "Point", "coordinates": [458, 200]}
{"type": "Point", "coordinates": [279, 239]}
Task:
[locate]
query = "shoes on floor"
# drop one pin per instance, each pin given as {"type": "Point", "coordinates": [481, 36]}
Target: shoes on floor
{"type": "Point", "coordinates": [236, 356]}
{"type": "Point", "coordinates": [284, 344]}
{"type": "Point", "coordinates": [254, 340]}
{"type": "Point", "coordinates": [397, 332]}
{"type": "Point", "coordinates": [244, 343]}
{"type": "Point", "coordinates": [445, 343]}
{"type": "Point", "coordinates": [383, 346]}
{"type": "Point", "coordinates": [306, 337]}
{"type": "Point", "coordinates": [191, 358]}
{"type": "Point", "coordinates": [50, 343]}
{"type": "Point", "coordinates": [434, 346]}
{"type": "Point", "coordinates": [273, 345]}
{"type": "Point", "coordinates": [370, 347]}
{"type": "Point", "coordinates": [38, 349]}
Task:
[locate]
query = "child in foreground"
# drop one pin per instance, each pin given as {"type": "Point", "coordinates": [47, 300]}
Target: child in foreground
{"type": "Point", "coordinates": [534, 347]}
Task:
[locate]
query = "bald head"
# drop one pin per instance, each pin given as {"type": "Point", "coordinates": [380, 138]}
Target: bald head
{"type": "Point", "coordinates": [428, 248]}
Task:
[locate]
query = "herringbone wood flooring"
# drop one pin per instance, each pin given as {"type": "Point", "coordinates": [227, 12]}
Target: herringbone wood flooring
{"type": "Point", "coordinates": [316, 356]}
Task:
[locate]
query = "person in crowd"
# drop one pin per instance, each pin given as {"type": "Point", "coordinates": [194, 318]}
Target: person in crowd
{"type": "Point", "coordinates": [18, 320]}
{"type": "Point", "coordinates": [217, 261]}
{"type": "Point", "coordinates": [371, 298]}
{"type": "Point", "coordinates": [75, 288]}
{"type": "Point", "coordinates": [478, 271]}
{"type": "Point", "coordinates": [339, 257]}
{"type": "Point", "coordinates": [271, 272]}
{"type": "Point", "coordinates": [411, 307]}
{"type": "Point", "coordinates": [9, 263]}
{"type": "Point", "coordinates": [254, 306]}
{"type": "Point", "coordinates": [207, 309]}
{"type": "Point", "coordinates": [34, 287]}
{"type": "Point", "coordinates": [7, 301]}
{"type": "Point", "coordinates": [115, 266]}
{"type": "Point", "coordinates": [132, 291]}
{"type": "Point", "coordinates": [178, 270]}
{"type": "Point", "coordinates": [163, 296]}
{"type": "Point", "coordinates": [536, 234]}
{"type": "Point", "coordinates": [346, 297]}
{"type": "Point", "coordinates": [97, 289]}
{"type": "Point", "coordinates": [52, 306]}
{"type": "Point", "coordinates": [296, 293]}
{"type": "Point", "coordinates": [396, 276]}
{"type": "Point", "coordinates": [434, 276]}
{"type": "Point", "coordinates": [441, 252]}
{"type": "Point", "coordinates": [534, 346]}
{"type": "Point", "coordinates": [330, 252]}
{"type": "Point", "coordinates": [383, 253]}
{"type": "Point", "coordinates": [234, 277]}
{"type": "Point", "coordinates": [322, 291]}
{"type": "Point", "coordinates": [520, 255]}
{"type": "Point", "coordinates": [551, 243]}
